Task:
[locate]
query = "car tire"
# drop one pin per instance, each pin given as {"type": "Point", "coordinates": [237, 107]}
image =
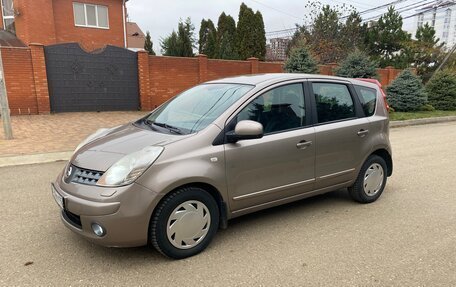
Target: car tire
{"type": "Point", "coordinates": [371, 180]}
{"type": "Point", "coordinates": [184, 222]}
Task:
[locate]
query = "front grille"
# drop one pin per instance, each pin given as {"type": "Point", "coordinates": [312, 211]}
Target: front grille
{"type": "Point", "coordinates": [72, 218]}
{"type": "Point", "coordinates": [84, 176]}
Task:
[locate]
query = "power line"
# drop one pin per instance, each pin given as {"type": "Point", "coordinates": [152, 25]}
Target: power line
{"type": "Point", "coordinates": [275, 9]}
{"type": "Point", "coordinates": [343, 17]}
{"type": "Point", "coordinates": [401, 10]}
{"type": "Point", "coordinates": [404, 9]}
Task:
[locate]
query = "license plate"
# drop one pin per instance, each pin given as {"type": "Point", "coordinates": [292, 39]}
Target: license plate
{"type": "Point", "coordinates": [58, 198]}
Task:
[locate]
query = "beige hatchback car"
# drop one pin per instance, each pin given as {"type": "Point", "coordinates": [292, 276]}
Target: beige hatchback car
{"type": "Point", "coordinates": [223, 149]}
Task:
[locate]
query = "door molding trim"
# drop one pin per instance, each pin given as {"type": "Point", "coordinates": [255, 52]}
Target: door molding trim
{"type": "Point", "coordinates": [274, 189]}
{"type": "Point", "coordinates": [336, 173]}
{"type": "Point", "coordinates": [292, 198]}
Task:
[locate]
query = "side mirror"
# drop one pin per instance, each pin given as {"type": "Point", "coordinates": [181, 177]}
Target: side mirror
{"type": "Point", "coordinates": [245, 130]}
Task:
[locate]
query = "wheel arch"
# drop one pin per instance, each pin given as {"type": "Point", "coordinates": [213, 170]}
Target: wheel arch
{"type": "Point", "coordinates": [385, 154]}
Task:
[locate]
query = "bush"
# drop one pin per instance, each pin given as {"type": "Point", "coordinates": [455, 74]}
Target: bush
{"type": "Point", "coordinates": [357, 65]}
{"type": "Point", "coordinates": [406, 93]}
{"type": "Point", "coordinates": [300, 61]}
{"type": "Point", "coordinates": [441, 90]}
{"type": "Point", "coordinates": [427, 108]}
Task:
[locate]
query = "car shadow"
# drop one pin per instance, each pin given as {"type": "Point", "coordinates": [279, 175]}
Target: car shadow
{"type": "Point", "coordinates": [306, 208]}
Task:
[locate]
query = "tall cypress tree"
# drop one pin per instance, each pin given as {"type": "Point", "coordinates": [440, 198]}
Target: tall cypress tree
{"type": "Point", "coordinates": [170, 46]}
{"type": "Point", "coordinates": [245, 41]}
{"type": "Point", "coordinates": [226, 38]}
{"type": "Point", "coordinates": [259, 37]}
{"type": "Point", "coordinates": [186, 38]}
{"type": "Point", "coordinates": [148, 45]}
{"type": "Point", "coordinates": [180, 44]}
{"type": "Point", "coordinates": [207, 39]}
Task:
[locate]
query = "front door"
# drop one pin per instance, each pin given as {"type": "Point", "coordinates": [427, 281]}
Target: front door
{"type": "Point", "coordinates": [279, 165]}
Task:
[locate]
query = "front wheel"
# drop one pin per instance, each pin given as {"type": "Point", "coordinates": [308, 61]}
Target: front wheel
{"type": "Point", "coordinates": [371, 180]}
{"type": "Point", "coordinates": [184, 223]}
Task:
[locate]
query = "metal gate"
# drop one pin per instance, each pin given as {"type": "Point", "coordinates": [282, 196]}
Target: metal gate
{"type": "Point", "coordinates": [103, 80]}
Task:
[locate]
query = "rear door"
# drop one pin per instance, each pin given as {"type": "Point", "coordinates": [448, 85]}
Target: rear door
{"type": "Point", "coordinates": [341, 132]}
{"type": "Point", "coordinates": [279, 165]}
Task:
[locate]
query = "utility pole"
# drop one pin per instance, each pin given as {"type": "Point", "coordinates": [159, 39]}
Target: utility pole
{"type": "Point", "coordinates": [4, 107]}
{"type": "Point", "coordinates": [446, 59]}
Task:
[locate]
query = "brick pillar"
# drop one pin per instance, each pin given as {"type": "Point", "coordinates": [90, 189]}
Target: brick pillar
{"type": "Point", "coordinates": [332, 67]}
{"type": "Point", "coordinates": [254, 62]}
{"type": "Point", "coordinates": [390, 73]}
{"type": "Point", "coordinates": [144, 80]}
{"type": "Point", "coordinates": [202, 63]}
{"type": "Point", "coordinates": [40, 78]}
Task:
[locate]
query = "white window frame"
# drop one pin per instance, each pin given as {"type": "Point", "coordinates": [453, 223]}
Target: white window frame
{"type": "Point", "coordinates": [96, 16]}
{"type": "Point", "coordinates": [420, 20]}
{"type": "Point", "coordinates": [8, 17]}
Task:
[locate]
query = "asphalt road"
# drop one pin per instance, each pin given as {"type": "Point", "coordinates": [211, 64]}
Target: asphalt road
{"type": "Point", "coordinates": [406, 238]}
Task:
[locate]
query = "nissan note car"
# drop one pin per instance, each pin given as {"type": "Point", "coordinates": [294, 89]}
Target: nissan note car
{"type": "Point", "coordinates": [223, 149]}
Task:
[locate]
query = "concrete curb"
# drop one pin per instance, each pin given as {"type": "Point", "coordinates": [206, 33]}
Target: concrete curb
{"type": "Point", "coordinates": [34, 158]}
{"type": "Point", "coordinates": [398, 124]}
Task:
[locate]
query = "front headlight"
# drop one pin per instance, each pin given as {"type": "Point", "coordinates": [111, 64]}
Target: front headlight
{"type": "Point", "coordinates": [130, 167]}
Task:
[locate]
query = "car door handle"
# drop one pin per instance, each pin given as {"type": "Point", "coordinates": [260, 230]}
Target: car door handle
{"type": "Point", "coordinates": [303, 144]}
{"type": "Point", "coordinates": [363, 132]}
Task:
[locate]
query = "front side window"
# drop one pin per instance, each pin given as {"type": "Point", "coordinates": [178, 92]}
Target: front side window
{"type": "Point", "coordinates": [196, 108]}
{"type": "Point", "coordinates": [8, 16]}
{"type": "Point", "coordinates": [333, 101]}
{"type": "Point", "coordinates": [279, 109]}
{"type": "Point", "coordinates": [89, 15]}
{"type": "Point", "coordinates": [368, 99]}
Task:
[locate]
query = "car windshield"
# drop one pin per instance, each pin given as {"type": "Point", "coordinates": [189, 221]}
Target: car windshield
{"type": "Point", "coordinates": [196, 108]}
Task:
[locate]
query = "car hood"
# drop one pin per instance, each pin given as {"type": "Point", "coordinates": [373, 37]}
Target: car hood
{"type": "Point", "coordinates": [103, 152]}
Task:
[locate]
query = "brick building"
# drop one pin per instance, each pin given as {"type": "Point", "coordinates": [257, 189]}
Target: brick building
{"type": "Point", "coordinates": [276, 50]}
{"type": "Point", "coordinates": [92, 23]}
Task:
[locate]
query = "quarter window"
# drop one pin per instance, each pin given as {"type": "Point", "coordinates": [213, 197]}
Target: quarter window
{"type": "Point", "coordinates": [368, 98]}
{"type": "Point", "coordinates": [89, 15]}
{"type": "Point", "coordinates": [277, 110]}
{"type": "Point", "coordinates": [333, 101]}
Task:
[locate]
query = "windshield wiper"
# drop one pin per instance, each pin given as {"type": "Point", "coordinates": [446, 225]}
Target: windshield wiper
{"type": "Point", "coordinates": [173, 129]}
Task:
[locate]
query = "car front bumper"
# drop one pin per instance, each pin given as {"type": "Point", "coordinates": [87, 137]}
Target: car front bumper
{"type": "Point", "coordinates": [124, 213]}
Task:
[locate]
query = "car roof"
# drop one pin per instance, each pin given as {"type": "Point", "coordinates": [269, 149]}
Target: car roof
{"type": "Point", "coordinates": [272, 78]}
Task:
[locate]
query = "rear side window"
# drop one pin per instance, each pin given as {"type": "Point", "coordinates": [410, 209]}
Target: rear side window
{"type": "Point", "coordinates": [368, 99]}
{"type": "Point", "coordinates": [333, 101]}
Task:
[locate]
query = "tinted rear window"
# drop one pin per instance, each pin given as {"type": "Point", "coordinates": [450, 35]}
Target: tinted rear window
{"type": "Point", "coordinates": [368, 99]}
{"type": "Point", "coordinates": [334, 102]}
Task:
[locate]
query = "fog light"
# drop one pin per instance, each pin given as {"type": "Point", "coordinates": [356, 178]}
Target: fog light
{"type": "Point", "coordinates": [98, 229]}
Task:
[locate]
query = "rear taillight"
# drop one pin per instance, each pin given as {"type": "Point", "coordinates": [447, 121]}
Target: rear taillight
{"type": "Point", "coordinates": [384, 99]}
{"type": "Point", "coordinates": [386, 104]}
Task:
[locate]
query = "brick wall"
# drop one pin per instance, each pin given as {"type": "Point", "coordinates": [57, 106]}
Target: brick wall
{"type": "Point", "coordinates": [270, 67]}
{"type": "Point", "coordinates": [89, 38]}
{"type": "Point", "coordinates": [385, 76]}
{"type": "Point", "coordinates": [161, 78]}
{"type": "Point", "coordinates": [217, 69]}
{"type": "Point", "coordinates": [25, 79]}
{"type": "Point", "coordinates": [170, 76]}
{"type": "Point", "coordinates": [52, 21]}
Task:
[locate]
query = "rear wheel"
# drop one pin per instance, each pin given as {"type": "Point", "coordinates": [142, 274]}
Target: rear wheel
{"type": "Point", "coordinates": [371, 180]}
{"type": "Point", "coordinates": [184, 223]}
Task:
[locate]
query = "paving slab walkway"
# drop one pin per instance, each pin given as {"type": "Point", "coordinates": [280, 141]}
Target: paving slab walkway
{"type": "Point", "coordinates": [39, 134]}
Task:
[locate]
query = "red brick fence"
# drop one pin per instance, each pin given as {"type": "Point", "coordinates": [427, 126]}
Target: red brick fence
{"type": "Point", "coordinates": [160, 78]}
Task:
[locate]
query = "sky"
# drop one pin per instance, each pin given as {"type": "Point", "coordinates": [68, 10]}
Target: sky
{"type": "Point", "coordinates": [161, 17]}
